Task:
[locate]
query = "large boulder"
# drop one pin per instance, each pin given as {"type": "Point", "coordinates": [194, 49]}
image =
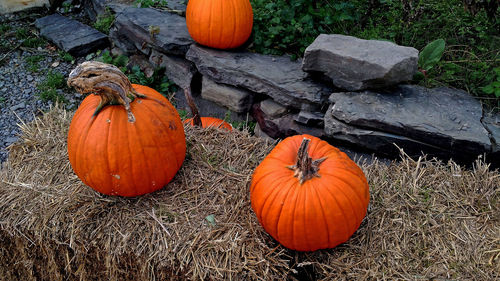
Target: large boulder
{"type": "Point", "coordinates": [356, 64]}
{"type": "Point", "coordinates": [70, 35]}
{"type": "Point", "coordinates": [441, 121]}
{"type": "Point", "coordinates": [153, 29]}
{"type": "Point", "coordinates": [276, 77]}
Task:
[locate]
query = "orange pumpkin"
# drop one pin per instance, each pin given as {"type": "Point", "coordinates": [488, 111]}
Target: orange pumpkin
{"type": "Point", "coordinates": [221, 24]}
{"type": "Point", "coordinates": [309, 195]}
{"type": "Point", "coordinates": [124, 139]}
{"type": "Point", "coordinates": [211, 122]}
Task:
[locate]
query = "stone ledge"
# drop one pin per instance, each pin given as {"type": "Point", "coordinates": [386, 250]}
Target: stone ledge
{"type": "Point", "coordinates": [70, 35]}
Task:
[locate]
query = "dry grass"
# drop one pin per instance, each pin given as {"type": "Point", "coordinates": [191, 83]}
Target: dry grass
{"type": "Point", "coordinates": [426, 220]}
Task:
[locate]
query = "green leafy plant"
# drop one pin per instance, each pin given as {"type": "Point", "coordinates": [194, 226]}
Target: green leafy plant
{"type": "Point", "coordinates": [431, 55]}
{"type": "Point", "coordinates": [104, 21]}
{"type": "Point", "coordinates": [158, 81]}
{"type": "Point", "coordinates": [282, 26]}
{"type": "Point", "coordinates": [120, 61]}
{"type": "Point", "coordinates": [66, 6]}
{"type": "Point", "coordinates": [493, 88]}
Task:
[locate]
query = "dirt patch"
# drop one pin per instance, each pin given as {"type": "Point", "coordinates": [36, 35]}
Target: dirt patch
{"type": "Point", "coordinates": [426, 219]}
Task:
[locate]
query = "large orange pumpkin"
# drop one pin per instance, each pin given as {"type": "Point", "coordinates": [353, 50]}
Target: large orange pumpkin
{"type": "Point", "coordinates": [221, 24]}
{"type": "Point", "coordinates": [309, 195]}
{"type": "Point", "coordinates": [124, 139]}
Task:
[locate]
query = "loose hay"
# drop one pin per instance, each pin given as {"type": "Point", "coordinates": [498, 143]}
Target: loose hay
{"type": "Point", "coordinates": [426, 219]}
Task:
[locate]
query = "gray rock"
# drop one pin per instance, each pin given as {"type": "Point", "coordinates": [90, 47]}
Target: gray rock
{"type": "Point", "coordinates": [159, 30]}
{"type": "Point", "coordinates": [379, 142]}
{"type": "Point", "coordinates": [355, 64]}
{"type": "Point", "coordinates": [314, 119]}
{"type": "Point", "coordinates": [438, 121]}
{"type": "Point", "coordinates": [237, 100]}
{"type": "Point", "coordinates": [272, 108]}
{"type": "Point", "coordinates": [283, 126]}
{"type": "Point", "coordinates": [277, 77]}
{"type": "Point", "coordinates": [178, 70]}
{"type": "Point", "coordinates": [492, 124]}
{"type": "Point", "coordinates": [95, 8]}
{"type": "Point", "coordinates": [72, 36]}
{"type": "Point", "coordinates": [21, 105]}
{"type": "Point", "coordinates": [121, 41]}
{"type": "Point", "coordinates": [10, 140]}
{"type": "Point", "coordinates": [259, 133]}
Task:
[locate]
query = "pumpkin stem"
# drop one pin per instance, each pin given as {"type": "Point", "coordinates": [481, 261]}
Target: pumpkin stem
{"type": "Point", "coordinates": [305, 168]}
{"type": "Point", "coordinates": [107, 81]}
{"type": "Point", "coordinates": [192, 106]}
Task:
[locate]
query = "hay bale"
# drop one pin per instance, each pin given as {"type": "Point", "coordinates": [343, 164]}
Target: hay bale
{"type": "Point", "coordinates": [426, 219]}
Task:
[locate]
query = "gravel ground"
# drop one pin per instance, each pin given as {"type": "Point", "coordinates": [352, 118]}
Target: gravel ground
{"type": "Point", "coordinates": [19, 95]}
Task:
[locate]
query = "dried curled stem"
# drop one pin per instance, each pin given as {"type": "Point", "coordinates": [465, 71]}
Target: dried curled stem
{"type": "Point", "coordinates": [305, 168]}
{"type": "Point", "coordinates": [192, 106]}
{"type": "Point", "coordinates": [105, 80]}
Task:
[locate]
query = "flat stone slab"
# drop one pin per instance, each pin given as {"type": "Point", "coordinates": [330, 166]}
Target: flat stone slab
{"type": "Point", "coordinates": [277, 77]}
{"type": "Point", "coordinates": [163, 31]}
{"type": "Point", "coordinates": [356, 64]}
{"type": "Point", "coordinates": [235, 99]}
{"type": "Point", "coordinates": [70, 35]}
{"type": "Point", "coordinates": [439, 121]}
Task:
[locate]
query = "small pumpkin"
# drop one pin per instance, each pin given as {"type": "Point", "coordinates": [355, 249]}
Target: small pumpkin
{"type": "Point", "coordinates": [211, 122]}
{"type": "Point", "coordinates": [204, 122]}
{"type": "Point", "coordinates": [308, 195]}
{"type": "Point", "coordinates": [221, 24]}
{"type": "Point", "coordinates": [124, 139]}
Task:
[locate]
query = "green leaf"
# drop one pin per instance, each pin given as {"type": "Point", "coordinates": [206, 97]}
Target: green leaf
{"type": "Point", "coordinates": [431, 54]}
{"type": "Point", "coordinates": [488, 89]}
{"type": "Point", "coordinates": [210, 219]}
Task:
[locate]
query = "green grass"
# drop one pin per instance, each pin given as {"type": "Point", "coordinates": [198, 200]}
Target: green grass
{"type": "Point", "coordinates": [66, 56]}
{"type": "Point", "coordinates": [22, 33]}
{"type": "Point", "coordinates": [34, 42]}
{"type": "Point", "coordinates": [151, 3]}
{"type": "Point", "coordinates": [33, 62]}
{"type": "Point", "coordinates": [4, 27]}
{"type": "Point", "coordinates": [48, 88]}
